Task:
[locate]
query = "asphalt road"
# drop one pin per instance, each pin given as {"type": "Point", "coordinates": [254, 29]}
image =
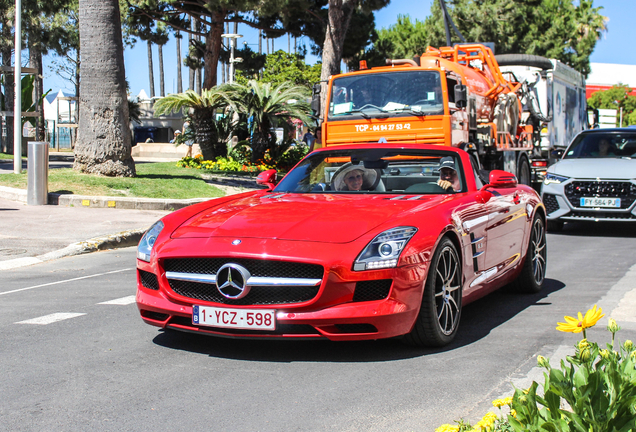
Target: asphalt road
{"type": "Point", "coordinates": [101, 368]}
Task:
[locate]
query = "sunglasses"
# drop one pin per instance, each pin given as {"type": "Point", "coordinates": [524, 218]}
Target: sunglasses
{"type": "Point", "coordinates": [354, 177]}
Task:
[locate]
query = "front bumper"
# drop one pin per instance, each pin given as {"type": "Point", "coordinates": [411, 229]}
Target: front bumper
{"type": "Point", "coordinates": [562, 200]}
{"type": "Point", "coordinates": [336, 312]}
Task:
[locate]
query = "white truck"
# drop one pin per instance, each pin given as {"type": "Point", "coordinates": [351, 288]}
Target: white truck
{"type": "Point", "coordinates": [556, 104]}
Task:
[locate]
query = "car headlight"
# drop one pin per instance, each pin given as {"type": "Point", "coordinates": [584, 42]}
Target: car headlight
{"type": "Point", "coordinates": [384, 250]}
{"type": "Point", "coordinates": [148, 241]}
{"type": "Point", "coordinates": [553, 178]}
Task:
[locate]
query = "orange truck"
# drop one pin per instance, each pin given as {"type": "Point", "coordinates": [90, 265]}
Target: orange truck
{"type": "Point", "coordinates": [455, 96]}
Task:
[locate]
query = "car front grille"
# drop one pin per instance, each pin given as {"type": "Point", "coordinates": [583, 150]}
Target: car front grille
{"type": "Point", "coordinates": [258, 295]}
{"type": "Point", "coordinates": [551, 203]}
{"type": "Point", "coordinates": [605, 189]}
{"type": "Point", "coordinates": [263, 268]}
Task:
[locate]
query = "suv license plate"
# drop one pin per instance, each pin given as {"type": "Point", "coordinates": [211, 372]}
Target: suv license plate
{"type": "Point", "coordinates": [256, 319]}
{"type": "Point", "coordinates": [601, 202]}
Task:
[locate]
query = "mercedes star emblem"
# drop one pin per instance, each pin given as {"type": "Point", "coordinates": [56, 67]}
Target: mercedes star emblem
{"type": "Point", "coordinates": [231, 281]}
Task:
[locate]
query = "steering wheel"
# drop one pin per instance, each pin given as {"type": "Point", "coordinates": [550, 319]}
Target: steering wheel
{"type": "Point", "coordinates": [320, 187]}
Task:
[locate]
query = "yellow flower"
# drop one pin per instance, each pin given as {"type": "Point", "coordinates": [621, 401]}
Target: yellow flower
{"type": "Point", "coordinates": [543, 362]}
{"type": "Point", "coordinates": [513, 413]}
{"type": "Point", "coordinates": [573, 325]}
{"type": "Point", "coordinates": [604, 353]}
{"type": "Point", "coordinates": [629, 345]}
{"type": "Point", "coordinates": [447, 428]}
{"type": "Point", "coordinates": [498, 403]}
{"type": "Point", "coordinates": [583, 344]}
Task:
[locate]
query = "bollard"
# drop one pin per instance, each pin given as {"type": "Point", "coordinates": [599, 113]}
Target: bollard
{"type": "Point", "coordinates": [38, 173]}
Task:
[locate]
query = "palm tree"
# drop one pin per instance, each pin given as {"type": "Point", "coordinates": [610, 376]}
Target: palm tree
{"type": "Point", "coordinates": [267, 108]}
{"type": "Point", "coordinates": [203, 110]}
{"type": "Point", "coordinates": [103, 144]}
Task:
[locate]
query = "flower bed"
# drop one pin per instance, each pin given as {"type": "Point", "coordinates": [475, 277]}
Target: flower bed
{"type": "Point", "coordinates": [596, 386]}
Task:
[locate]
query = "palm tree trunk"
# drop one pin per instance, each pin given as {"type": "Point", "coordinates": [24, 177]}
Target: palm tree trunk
{"type": "Point", "coordinates": [103, 145]}
{"type": "Point", "coordinates": [162, 91]}
{"type": "Point", "coordinates": [179, 78]}
{"type": "Point", "coordinates": [192, 72]}
{"type": "Point", "coordinates": [151, 76]}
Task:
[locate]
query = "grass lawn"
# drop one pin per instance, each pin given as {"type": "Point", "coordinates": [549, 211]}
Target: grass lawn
{"type": "Point", "coordinates": [154, 180]}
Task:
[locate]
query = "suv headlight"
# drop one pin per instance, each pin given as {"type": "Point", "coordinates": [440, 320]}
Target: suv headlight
{"type": "Point", "coordinates": [148, 241]}
{"type": "Point", "coordinates": [553, 178]}
{"type": "Point", "coordinates": [384, 250]}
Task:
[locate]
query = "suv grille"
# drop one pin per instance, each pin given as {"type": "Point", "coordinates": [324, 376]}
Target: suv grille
{"type": "Point", "coordinates": [551, 203]}
{"type": "Point", "coordinates": [609, 189]}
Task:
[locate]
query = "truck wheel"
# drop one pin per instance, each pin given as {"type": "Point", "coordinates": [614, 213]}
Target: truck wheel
{"type": "Point", "coordinates": [438, 320]}
{"type": "Point", "coordinates": [523, 171]}
{"type": "Point", "coordinates": [530, 280]}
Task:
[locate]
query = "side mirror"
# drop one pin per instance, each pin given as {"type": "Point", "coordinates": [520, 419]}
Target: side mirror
{"type": "Point", "coordinates": [461, 96]}
{"type": "Point", "coordinates": [557, 153]}
{"type": "Point", "coordinates": [315, 99]}
{"type": "Point", "coordinates": [268, 178]}
{"type": "Point", "coordinates": [502, 179]}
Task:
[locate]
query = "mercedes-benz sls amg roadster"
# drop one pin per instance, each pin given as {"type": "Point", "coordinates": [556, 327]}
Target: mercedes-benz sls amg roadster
{"type": "Point", "coordinates": [355, 242]}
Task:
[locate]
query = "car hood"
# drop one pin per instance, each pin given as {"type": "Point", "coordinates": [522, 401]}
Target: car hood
{"type": "Point", "coordinates": [306, 217]}
{"type": "Point", "coordinates": [614, 168]}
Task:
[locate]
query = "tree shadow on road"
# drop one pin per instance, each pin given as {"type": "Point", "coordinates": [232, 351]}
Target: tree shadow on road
{"type": "Point", "coordinates": [478, 320]}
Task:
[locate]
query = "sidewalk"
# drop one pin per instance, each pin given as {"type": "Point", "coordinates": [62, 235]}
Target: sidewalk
{"type": "Point", "coordinates": [73, 224]}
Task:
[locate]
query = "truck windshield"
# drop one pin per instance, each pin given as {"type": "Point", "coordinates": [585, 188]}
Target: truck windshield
{"type": "Point", "coordinates": [386, 94]}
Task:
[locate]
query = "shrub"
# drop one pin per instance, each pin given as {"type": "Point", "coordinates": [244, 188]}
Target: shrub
{"type": "Point", "coordinates": [593, 390]}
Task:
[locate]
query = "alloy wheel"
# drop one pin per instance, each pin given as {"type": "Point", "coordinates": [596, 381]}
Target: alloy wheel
{"type": "Point", "coordinates": [447, 292]}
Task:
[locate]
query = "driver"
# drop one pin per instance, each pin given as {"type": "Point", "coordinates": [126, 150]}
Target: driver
{"type": "Point", "coordinates": [448, 177]}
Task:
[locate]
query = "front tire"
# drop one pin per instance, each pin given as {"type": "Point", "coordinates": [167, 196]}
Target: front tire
{"type": "Point", "coordinates": [530, 280]}
{"type": "Point", "coordinates": [438, 320]}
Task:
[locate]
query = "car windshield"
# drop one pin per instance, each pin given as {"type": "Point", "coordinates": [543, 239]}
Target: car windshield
{"type": "Point", "coordinates": [603, 145]}
{"type": "Point", "coordinates": [386, 94]}
{"type": "Point", "coordinates": [375, 171]}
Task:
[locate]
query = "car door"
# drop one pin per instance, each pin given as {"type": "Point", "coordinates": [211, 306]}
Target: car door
{"type": "Point", "coordinates": [507, 220]}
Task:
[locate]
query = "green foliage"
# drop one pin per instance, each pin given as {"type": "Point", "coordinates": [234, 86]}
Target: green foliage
{"type": "Point", "coordinates": [267, 107]}
{"type": "Point", "coordinates": [282, 67]}
{"type": "Point", "coordinates": [615, 98]}
{"type": "Point", "coordinates": [566, 30]}
{"type": "Point", "coordinates": [404, 39]}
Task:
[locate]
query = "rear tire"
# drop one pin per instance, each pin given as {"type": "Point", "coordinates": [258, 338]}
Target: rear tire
{"type": "Point", "coordinates": [436, 324]}
{"type": "Point", "coordinates": [523, 171]}
{"type": "Point", "coordinates": [531, 278]}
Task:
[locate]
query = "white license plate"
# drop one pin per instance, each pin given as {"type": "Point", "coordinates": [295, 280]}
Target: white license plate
{"type": "Point", "coordinates": [601, 202]}
{"type": "Point", "coordinates": [258, 319]}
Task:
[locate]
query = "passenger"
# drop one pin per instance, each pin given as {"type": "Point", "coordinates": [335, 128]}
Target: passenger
{"type": "Point", "coordinates": [448, 177]}
{"type": "Point", "coordinates": [355, 178]}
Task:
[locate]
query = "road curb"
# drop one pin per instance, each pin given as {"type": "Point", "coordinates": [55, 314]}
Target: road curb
{"type": "Point", "coordinates": [113, 241]}
{"type": "Point", "coordinates": [20, 195]}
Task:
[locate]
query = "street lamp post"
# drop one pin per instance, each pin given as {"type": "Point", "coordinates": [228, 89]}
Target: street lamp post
{"type": "Point", "coordinates": [234, 37]}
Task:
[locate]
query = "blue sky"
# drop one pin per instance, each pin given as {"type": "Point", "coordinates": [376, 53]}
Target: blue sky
{"type": "Point", "coordinates": [610, 49]}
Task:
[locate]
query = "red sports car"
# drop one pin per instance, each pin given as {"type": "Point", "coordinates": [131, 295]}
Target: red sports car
{"type": "Point", "coordinates": [356, 242]}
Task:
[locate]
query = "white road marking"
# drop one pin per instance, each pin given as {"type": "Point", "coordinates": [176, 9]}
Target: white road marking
{"type": "Point", "coordinates": [48, 319]}
{"type": "Point", "coordinates": [120, 301]}
{"type": "Point", "coordinates": [66, 280]}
